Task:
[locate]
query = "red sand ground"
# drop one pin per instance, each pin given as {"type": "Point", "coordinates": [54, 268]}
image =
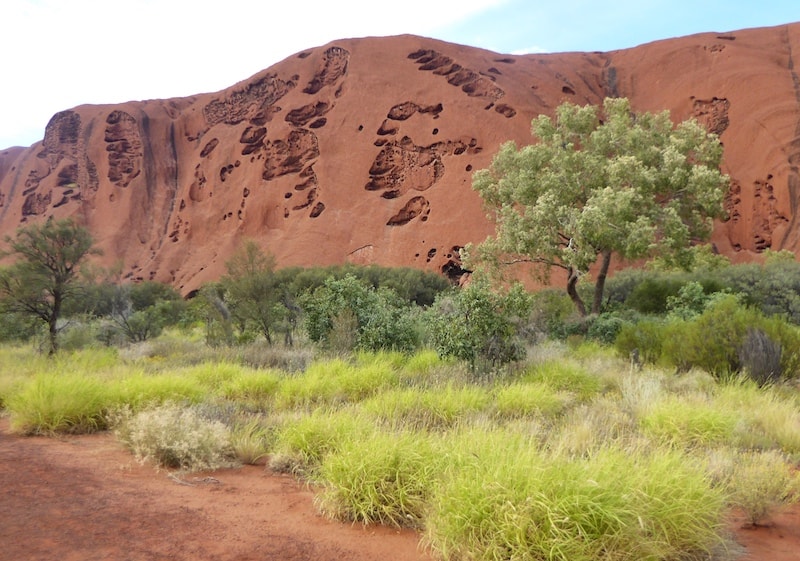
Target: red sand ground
{"type": "Point", "coordinates": [84, 498]}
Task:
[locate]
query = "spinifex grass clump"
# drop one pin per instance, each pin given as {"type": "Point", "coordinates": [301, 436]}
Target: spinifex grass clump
{"type": "Point", "coordinates": [214, 374]}
{"type": "Point", "coordinates": [59, 403]}
{"type": "Point", "coordinates": [386, 478]}
{"type": "Point", "coordinates": [566, 376]}
{"type": "Point", "coordinates": [174, 436]}
{"type": "Point", "coordinates": [138, 390]}
{"type": "Point", "coordinates": [690, 421]}
{"type": "Point", "coordinates": [255, 388]}
{"type": "Point", "coordinates": [302, 444]}
{"type": "Point", "coordinates": [525, 399]}
{"type": "Point", "coordinates": [768, 418]}
{"type": "Point", "coordinates": [430, 408]}
{"type": "Point", "coordinates": [511, 500]}
{"type": "Point", "coordinates": [334, 381]}
{"type": "Point", "coordinates": [251, 440]}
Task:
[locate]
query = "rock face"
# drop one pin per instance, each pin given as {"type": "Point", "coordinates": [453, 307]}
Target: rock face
{"type": "Point", "coordinates": [362, 151]}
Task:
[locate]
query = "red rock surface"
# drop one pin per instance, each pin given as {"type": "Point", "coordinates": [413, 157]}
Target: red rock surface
{"type": "Point", "coordinates": [362, 150]}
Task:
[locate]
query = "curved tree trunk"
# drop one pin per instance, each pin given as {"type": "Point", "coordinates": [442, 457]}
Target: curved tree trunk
{"type": "Point", "coordinates": [600, 285]}
{"type": "Point", "coordinates": [572, 290]}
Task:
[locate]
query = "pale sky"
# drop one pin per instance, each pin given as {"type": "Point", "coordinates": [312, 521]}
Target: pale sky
{"type": "Point", "coordinates": [57, 54]}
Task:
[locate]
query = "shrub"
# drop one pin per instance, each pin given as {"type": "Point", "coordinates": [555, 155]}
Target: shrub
{"type": "Point", "coordinates": [476, 324]}
{"type": "Point", "coordinates": [760, 357]}
{"type": "Point", "coordinates": [760, 482]}
{"type": "Point", "coordinates": [349, 313]}
{"type": "Point", "coordinates": [551, 312]}
{"type": "Point", "coordinates": [645, 337]}
{"type": "Point", "coordinates": [605, 327]}
{"type": "Point", "coordinates": [175, 437]}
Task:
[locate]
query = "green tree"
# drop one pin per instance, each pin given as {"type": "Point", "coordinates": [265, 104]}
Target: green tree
{"type": "Point", "coordinates": [45, 271]}
{"type": "Point", "coordinates": [593, 186]}
{"type": "Point", "coordinates": [251, 290]}
{"type": "Point", "coordinates": [141, 311]}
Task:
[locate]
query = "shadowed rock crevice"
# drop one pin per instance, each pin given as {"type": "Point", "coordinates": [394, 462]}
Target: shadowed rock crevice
{"type": "Point", "coordinates": [471, 82]}
{"type": "Point", "coordinates": [301, 116]}
{"type": "Point", "coordinates": [290, 155]}
{"type": "Point", "coordinates": [402, 165]}
{"type": "Point", "coordinates": [416, 206]}
{"type": "Point", "coordinates": [332, 68]}
{"type": "Point", "coordinates": [250, 102]}
{"type": "Point", "coordinates": [712, 113]}
{"type": "Point", "coordinates": [124, 147]}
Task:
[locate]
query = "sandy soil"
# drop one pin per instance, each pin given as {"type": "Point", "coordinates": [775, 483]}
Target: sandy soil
{"type": "Point", "coordinates": [84, 498]}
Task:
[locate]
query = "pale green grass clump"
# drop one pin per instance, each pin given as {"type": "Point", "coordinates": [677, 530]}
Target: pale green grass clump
{"type": "Point", "coordinates": [429, 408]}
{"type": "Point", "coordinates": [769, 419]}
{"type": "Point", "coordinates": [590, 427]}
{"type": "Point", "coordinates": [566, 375]}
{"type": "Point", "coordinates": [59, 403]}
{"type": "Point", "coordinates": [519, 399]}
{"type": "Point", "coordinates": [251, 440]}
{"type": "Point", "coordinates": [511, 500]}
{"type": "Point", "coordinates": [256, 388]}
{"type": "Point", "coordinates": [690, 422]}
{"type": "Point", "coordinates": [301, 444]}
{"type": "Point", "coordinates": [385, 478]}
{"type": "Point", "coordinates": [334, 381]}
{"type": "Point", "coordinates": [761, 482]}
{"type": "Point", "coordinates": [175, 436]}
{"type": "Point", "coordinates": [212, 375]}
{"type": "Point", "coordinates": [139, 390]}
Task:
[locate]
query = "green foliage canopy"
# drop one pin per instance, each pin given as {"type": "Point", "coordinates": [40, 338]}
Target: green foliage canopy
{"type": "Point", "coordinates": [593, 186]}
{"type": "Point", "coordinates": [45, 272]}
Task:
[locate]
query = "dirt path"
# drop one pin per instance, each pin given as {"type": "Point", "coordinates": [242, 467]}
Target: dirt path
{"type": "Point", "coordinates": [84, 498]}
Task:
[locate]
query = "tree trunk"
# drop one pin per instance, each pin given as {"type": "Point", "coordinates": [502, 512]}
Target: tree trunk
{"type": "Point", "coordinates": [572, 290]}
{"type": "Point", "coordinates": [52, 323]}
{"type": "Point", "coordinates": [600, 285]}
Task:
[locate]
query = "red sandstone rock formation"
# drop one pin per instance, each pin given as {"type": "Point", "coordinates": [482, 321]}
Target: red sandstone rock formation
{"type": "Point", "coordinates": [362, 150]}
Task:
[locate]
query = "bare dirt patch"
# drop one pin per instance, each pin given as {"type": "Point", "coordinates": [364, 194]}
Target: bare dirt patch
{"type": "Point", "coordinates": [84, 498]}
